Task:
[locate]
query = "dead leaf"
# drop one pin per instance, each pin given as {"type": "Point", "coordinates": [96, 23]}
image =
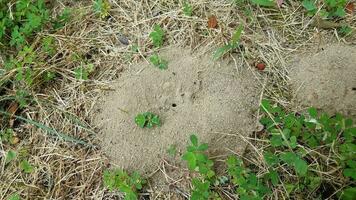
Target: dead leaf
{"type": "Point", "coordinates": [212, 22]}
{"type": "Point", "coordinates": [12, 110]}
{"type": "Point", "coordinates": [350, 8]}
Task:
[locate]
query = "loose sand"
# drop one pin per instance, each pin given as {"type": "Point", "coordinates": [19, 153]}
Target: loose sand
{"type": "Point", "coordinates": [194, 95]}
{"type": "Point", "coordinates": [326, 80]}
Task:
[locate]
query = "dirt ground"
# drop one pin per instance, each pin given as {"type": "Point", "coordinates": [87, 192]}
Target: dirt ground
{"type": "Point", "coordinates": [326, 80]}
{"type": "Point", "coordinates": [214, 100]}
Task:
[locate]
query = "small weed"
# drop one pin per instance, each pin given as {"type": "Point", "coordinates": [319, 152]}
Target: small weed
{"type": "Point", "coordinates": [120, 180]}
{"type": "Point", "coordinates": [187, 9]}
{"type": "Point", "coordinates": [233, 44]}
{"type": "Point", "coordinates": [26, 166]}
{"type": "Point", "coordinates": [147, 119]}
{"type": "Point", "coordinates": [196, 158]}
{"type": "Point", "coordinates": [159, 62]}
{"type": "Point", "coordinates": [10, 156]}
{"type": "Point", "coordinates": [7, 135]}
{"type": "Point", "coordinates": [82, 72]}
{"type": "Point", "coordinates": [248, 186]}
{"type": "Point", "coordinates": [102, 8]}
{"type": "Point", "coordinates": [157, 36]}
{"type": "Point", "coordinates": [48, 45]}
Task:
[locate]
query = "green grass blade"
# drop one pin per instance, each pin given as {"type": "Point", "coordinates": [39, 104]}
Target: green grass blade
{"type": "Point", "coordinates": [49, 130]}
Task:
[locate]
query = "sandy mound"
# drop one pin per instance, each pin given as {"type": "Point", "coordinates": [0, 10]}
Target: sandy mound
{"type": "Point", "coordinates": [193, 95]}
{"type": "Point", "coordinates": [327, 80]}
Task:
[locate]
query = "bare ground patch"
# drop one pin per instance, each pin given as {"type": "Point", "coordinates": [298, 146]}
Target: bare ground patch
{"type": "Point", "coordinates": [194, 95]}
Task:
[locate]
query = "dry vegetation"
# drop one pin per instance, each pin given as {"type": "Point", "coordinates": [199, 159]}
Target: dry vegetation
{"type": "Point", "coordinates": [72, 169]}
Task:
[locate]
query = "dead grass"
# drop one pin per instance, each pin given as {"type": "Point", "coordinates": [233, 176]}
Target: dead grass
{"type": "Point", "coordinates": [64, 170]}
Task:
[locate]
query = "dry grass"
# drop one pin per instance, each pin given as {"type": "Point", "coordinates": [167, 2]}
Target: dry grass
{"type": "Point", "coordinates": [64, 170]}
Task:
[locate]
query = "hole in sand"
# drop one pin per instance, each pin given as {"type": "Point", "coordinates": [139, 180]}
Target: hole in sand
{"type": "Point", "coordinates": [174, 105]}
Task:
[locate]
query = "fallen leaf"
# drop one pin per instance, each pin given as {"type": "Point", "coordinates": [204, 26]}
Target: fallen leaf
{"type": "Point", "coordinates": [350, 7]}
{"type": "Point", "coordinates": [12, 110]}
{"type": "Point", "coordinates": [15, 140]}
{"type": "Point", "coordinates": [212, 22]}
{"type": "Point", "coordinates": [260, 66]}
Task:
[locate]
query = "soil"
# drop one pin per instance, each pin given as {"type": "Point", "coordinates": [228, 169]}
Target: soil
{"type": "Point", "coordinates": [194, 95]}
{"type": "Point", "coordinates": [326, 80]}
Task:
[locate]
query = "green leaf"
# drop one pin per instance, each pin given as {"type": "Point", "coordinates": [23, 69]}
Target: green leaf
{"type": "Point", "coordinates": [276, 140]}
{"type": "Point", "coordinates": [221, 51]}
{"type": "Point", "coordinates": [194, 140]}
{"type": "Point", "coordinates": [140, 120]}
{"type": "Point", "coordinates": [349, 172]}
{"type": "Point", "coordinates": [14, 197]}
{"type": "Point", "coordinates": [293, 142]}
{"type": "Point", "coordinates": [301, 167]}
{"type": "Point", "coordinates": [288, 157]}
{"type": "Point", "coordinates": [26, 166]}
{"type": "Point", "coordinates": [156, 120]}
{"type": "Point", "coordinates": [349, 193]}
{"type": "Point", "coordinates": [313, 112]}
{"type": "Point", "coordinates": [203, 147]}
{"type": "Point", "coordinates": [187, 9]}
{"type": "Point", "coordinates": [270, 159]}
{"type": "Point", "coordinates": [237, 35]}
{"type": "Point", "coordinates": [340, 12]}
{"type": "Point", "coordinates": [266, 3]}
{"type": "Point", "coordinates": [309, 5]}
{"type": "Point", "coordinates": [10, 156]}
{"type": "Point", "coordinates": [273, 176]}
{"type": "Point", "coordinates": [191, 160]}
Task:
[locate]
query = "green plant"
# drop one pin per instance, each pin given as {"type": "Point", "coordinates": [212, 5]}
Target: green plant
{"type": "Point", "coordinates": [26, 166]}
{"type": "Point", "coordinates": [10, 156]}
{"type": "Point", "coordinates": [248, 186]}
{"type": "Point", "coordinates": [198, 161]}
{"type": "Point", "coordinates": [196, 158]}
{"type": "Point", "coordinates": [120, 180]}
{"type": "Point", "coordinates": [331, 8]}
{"type": "Point", "coordinates": [48, 45]}
{"type": "Point", "coordinates": [158, 62]}
{"type": "Point", "coordinates": [102, 8]}
{"type": "Point", "coordinates": [233, 44]}
{"type": "Point", "coordinates": [345, 31]}
{"type": "Point", "coordinates": [187, 9]}
{"type": "Point", "coordinates": [301, 143]}
{"type": "Point", "coordinates": [157, 36]}
{"type": "Point", "coordinates": [26, 18]}
{"type": "Point", "coordinates": [14, 197]}
{"type": "Point", "coordinates": [147, 119]}
{"type": "Point", "coordinates": [82, 72]}
{"type": "Point", "coordinates": [6, 135]}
